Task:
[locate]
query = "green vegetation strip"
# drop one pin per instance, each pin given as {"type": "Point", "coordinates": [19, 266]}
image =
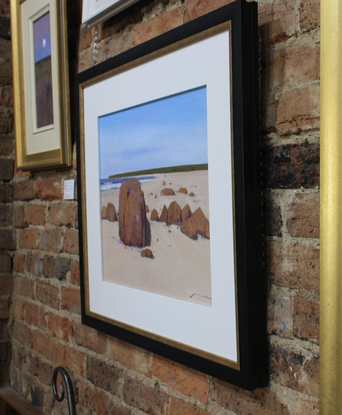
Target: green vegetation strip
{"type": "Point", "coordinates": [175, 169]}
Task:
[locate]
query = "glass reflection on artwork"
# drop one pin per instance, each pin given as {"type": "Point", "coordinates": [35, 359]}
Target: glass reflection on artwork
{"type": "Point", "coordinates": [43, 71]}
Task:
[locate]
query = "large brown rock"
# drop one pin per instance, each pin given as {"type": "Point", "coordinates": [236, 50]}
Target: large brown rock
{"type": "Point", "coordinates": [174, 214]}
{"type": "Point", "coordinates": [167, 192]}
{"type": "Point", "coordinates": [132, 218]}
{"type": "Point", "coordinates": [196, 225]}
{"type": "Point", "coordinates": [111, 212]}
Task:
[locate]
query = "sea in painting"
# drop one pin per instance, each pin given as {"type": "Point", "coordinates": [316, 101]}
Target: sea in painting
{"type": "Point", "coordinates": [154, 197]}
{"type": "Point", "coordinates": [43, 71]}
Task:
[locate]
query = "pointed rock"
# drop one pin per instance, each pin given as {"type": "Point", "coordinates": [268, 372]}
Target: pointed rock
{"type": "Point", "coordinates": [163, 216]}
{"type": "Point", "coordinates": [196, 225]}
{"type": "Point", "coordinates": [154, 215]}
{"type": "Point", "coordinates": [186, 213]}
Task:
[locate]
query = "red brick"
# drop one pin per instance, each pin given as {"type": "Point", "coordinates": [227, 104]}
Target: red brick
{"type": "Point", "coordinates": [281, 65]}
{"type": "Point", "coordinates": [294, 266]}
{"type": "Point", "coordinates": [19, 262]}
{"type": "Point", "coordinates": [73, 360]}
{"type": "Point", "coordinates": [130, 356]}
{"type": "Point", "coordinates": [5, 7]}
{"type": "Point", "coordinates": [292, 166]}
{"type": "Point", "coordinates": [34, 214]}
{"type": "Point", "coordinates": [7, 239]}
{"type": "Point", "coordinates": [5, 262]}
{"type": "Point", "coordinates": [280, 314]}
{"type": "Point", "coordinates": [6, 118]}
{"type": "Point", "coordinates": [104, 376]}
{"type": "Point", "coordinates": [6, 144]}
{"type": "Point", "coordinates": [93, 398]}
{"type": "Point", "coordinates": [277, 21]}
{"type": "Point", "coordinates": [22, 333]}
{"type": "Point", "coordinates": [90, 338]}
{"type": "Point", "coordinates": [70, 244]}
{"type": "Point", "coordinates": [62, 214]}
{"type": "Point", "coordinates": [144, 397]}
{"type": "Point", "coordinates": [6, 284]}
{"type": "Point", "coordinates": [309, 14]}
{"type": "Point", "coordinates": [48, 294]}
{"type": "Point", "coordinates": [4, 308]}
{"type": "Point", "coordinates": [18, 217]}
{"type": "Point", "coordinates": [295, 370]}
{"type": "Point", "coordinates": [298, 110]}
{"type": "Point", "coordinates": [75, 273]}
{"type": "Point", "coordinates": [6, 216]}
{"type": "Point", "coordinates": [240, 401]}
{"type": "Point", "coordinates": [56, 267]}
{"type": "Point", "coordinates": [50, 240]}
{"type": "Point", "coordinates": [34, 265]}
{"type": "Point", "coordinates": [71, 299]}
{"type": "Point", "coordinates": [40, 369]}
{"type": "Point", "coordinates": [197, 8]}
{"type": "Point", "coordinates": [85, 39]}
{"type": "Point", "coordinates": [303, 215]}
{"type": "Point", "coordinates": [60, 327]}
{"type": "Point", "coordinates": [35, 315]}
{"type": "Point", "coordinates": [185, 380]}
{"type": "Point", "coordinates": [46, 346]}
{"type": "Point", "coordinates": [24, 286]}
{"type": "Point", "coordinates": [179, 407]}
{"type": "Point", "coordinates": [6, 193]}
{"type": "Point", "coordinates": [115, 46]}
{"type": "Point", "coordinates": [160, 24]}
{"type": "Point", "coordinates": [6, 168]}
{"type": "Point", "coordinates": [49, 189]}
{"type": "Point", "coordinates": [6, 96]}
{"type": "Point", "coordinates": [306, 316]}
{"type": "Point", "coordinates": [18, 308]}
{"type": "Point", "coordinates": [28, 238]}
{"type": "Point", "coordinates": [274, 218]}
{"type": "Point", "coordinates": [24, 190]}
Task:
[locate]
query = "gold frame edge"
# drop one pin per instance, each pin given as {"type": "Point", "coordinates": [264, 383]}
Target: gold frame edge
{"type": "Point", "coordinates": [330, 209]}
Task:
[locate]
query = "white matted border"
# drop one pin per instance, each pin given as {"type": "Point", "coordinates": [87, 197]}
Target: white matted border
{"type": "Point", "coordinates": [210, 329]}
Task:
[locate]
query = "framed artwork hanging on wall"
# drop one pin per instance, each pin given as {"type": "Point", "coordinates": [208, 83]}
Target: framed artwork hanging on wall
{"type": "Point", "coordinates": [41, 84]}
{"type": "Point", "coordinates": [169, 190]}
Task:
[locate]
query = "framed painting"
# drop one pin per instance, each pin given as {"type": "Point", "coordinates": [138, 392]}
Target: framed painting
{"type": "Point", "coordinates": [169, 190]}
{"type": "Point", "coordinates": [97, 11]}
{"type": "Point", "coordinates": [41, 84]}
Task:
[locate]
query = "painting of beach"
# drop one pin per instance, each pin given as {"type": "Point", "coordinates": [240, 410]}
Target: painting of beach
{"type": "Point", "coordinates": [154, 197]}
{"type": "Point", "coordinates": [43, 71]}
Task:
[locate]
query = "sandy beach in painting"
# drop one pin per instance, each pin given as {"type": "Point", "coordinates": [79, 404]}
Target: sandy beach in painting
{"type": "Point", "coordinates": [181, 266]}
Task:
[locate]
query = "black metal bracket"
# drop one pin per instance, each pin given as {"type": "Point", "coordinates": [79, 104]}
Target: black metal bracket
{"type": "Point", "coordinates": [66, 385]}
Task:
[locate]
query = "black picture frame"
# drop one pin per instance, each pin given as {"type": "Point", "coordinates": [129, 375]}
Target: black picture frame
{"type": "Point", "coordinates": [239, 20]}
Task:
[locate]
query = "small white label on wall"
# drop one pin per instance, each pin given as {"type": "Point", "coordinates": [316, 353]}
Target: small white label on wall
{"type": "Point", "coordinates": [69, 189]}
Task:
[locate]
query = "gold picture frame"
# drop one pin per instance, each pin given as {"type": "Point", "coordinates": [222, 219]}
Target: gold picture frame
{"type": "Point", "coordinates": [330, 209]}
{"type": "Point", "coordinates": [41, 84]}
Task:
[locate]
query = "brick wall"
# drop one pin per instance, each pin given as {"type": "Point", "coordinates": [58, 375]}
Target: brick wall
{"type": "Point", "coordinates": [109, 375]}
{"type": "Point", "coordinates": [7, 233]}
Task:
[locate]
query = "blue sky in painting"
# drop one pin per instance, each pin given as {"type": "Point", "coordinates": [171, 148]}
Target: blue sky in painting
{"type": "Point", "coordinates": [42, 39]}
{"type": "Point", "coordinates": [168, 132]}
